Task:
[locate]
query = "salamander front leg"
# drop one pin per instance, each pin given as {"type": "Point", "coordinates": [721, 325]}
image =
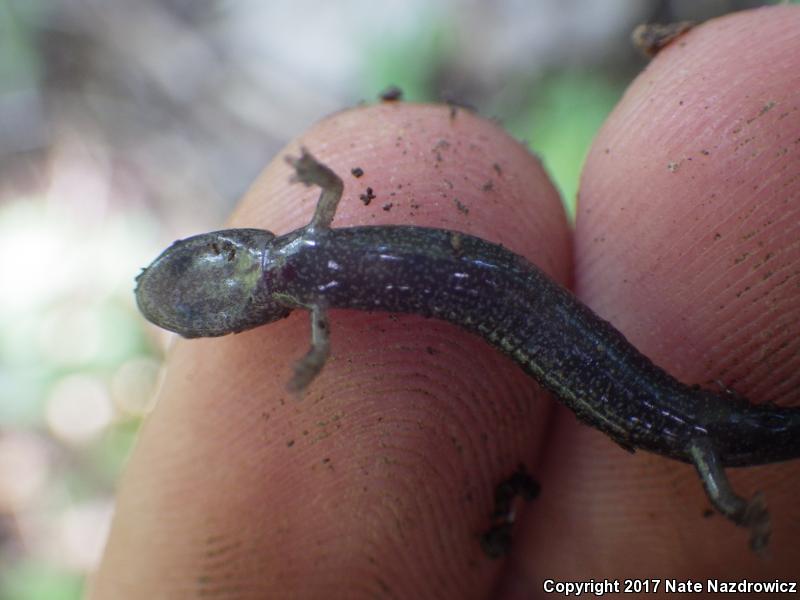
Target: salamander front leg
{"type": "Point", "coordinates": [308, 367]}
{"type": "Point", "coordinates": [310, 171]}
{"type": "Point", "coordinates": [752, 514]}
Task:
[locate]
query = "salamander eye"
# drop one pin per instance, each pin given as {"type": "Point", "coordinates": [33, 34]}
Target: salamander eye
{"type": "Point", "coordinates": [226, 248]}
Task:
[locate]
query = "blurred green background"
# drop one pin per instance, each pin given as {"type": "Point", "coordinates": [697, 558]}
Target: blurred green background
{"type": "Point", "coordinates": [125, 125]}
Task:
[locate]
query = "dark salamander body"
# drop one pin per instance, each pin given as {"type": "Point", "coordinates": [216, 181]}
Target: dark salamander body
{"type": "Point", "coordinates": [226, 281]}
{"type": "Point", "coordinates": [515, 307]}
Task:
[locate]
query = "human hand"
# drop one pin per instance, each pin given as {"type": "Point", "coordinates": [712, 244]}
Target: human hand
{"type": "Point", "coordinates": [380, 480]}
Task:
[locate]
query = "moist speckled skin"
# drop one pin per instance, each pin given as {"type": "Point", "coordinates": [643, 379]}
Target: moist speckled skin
{"type": "Point", "coordinates": [581, 358]}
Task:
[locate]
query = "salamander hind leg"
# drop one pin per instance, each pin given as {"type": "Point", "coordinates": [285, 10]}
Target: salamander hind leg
{"type": "Point", "coordinates": [310, 171]}
{"type": "Point", "coordinates": [751, 514]}
{"type": "Point", "coordinates": [308, 367]}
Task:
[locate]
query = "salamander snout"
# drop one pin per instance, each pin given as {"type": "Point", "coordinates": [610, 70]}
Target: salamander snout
{"type": "Point", "coordinates": [208, 285]}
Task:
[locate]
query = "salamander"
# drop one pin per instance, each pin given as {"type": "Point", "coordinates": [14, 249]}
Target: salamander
{"type": "Point", "coordinates": [229, 281]}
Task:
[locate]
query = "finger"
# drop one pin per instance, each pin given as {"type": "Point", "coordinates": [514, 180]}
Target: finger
{"type": "Point", "coordinates": [687, 240]}
{"type": "Point", "coordinates": [379, 481]}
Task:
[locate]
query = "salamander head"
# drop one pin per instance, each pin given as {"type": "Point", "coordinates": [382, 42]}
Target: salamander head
{"type": "Point", "coordinates": [209, 285]}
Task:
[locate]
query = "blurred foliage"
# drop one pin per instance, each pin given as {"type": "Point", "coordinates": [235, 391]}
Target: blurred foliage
{"type": "Point", "coordinates": [566, 110]}
{"type": "Point", "coordinates": [411, 63]}
{"type": "Point", "coordinates": [19, 57]}
{"type": "Point", "coordinates": [31, 580]}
